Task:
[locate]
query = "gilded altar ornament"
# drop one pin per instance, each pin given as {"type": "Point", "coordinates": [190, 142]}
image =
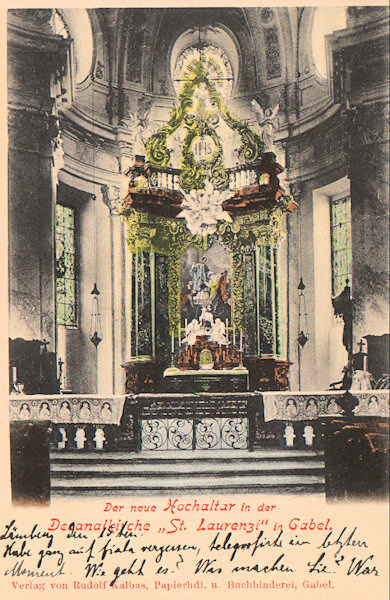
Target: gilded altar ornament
{"type": "Point", "coordinates": [172, 237]}
{"type": "Point", "coordinates": [200, 110]}
{"type": "Point", "coordinates": [191, 144]}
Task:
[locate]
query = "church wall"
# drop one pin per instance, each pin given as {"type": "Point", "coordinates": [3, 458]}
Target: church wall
{"type": "Point", "coordinates": [307, 362]}
{"type": "Point", "coordinates": [331, 356]}
{"type": "Point", "coordinates": [33, 131]}
{"type": "Point", "coordinates": [315, 161]}
{"type": "Point", "coordinates": [323, 356]}
{"type": "Point", "coordinates": [370, 234]}
{"type": "Point", "coordinates": [104, 277]}
{"type": "Point", "coordinates": [360, 69]}
{"type": "Point", "coordinates": [73, 342]}
{"type": "Point", "coordinates": [95, 371]}
{"type": "Point", "coordinates": [31, 247]}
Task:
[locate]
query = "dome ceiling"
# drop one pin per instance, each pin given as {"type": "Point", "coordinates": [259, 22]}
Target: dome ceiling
{"type": "Point", "coordinates": [136, 51]}
{"type": "Point", "coordinates": [139, 57]}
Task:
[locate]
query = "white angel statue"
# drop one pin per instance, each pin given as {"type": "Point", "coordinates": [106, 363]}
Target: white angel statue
{"type": "Point", "coordinates": [218, 333]}
{"type": "Point", "coordinates": [143, 127]}
{"type": "Point", "coordinates": [268, 122]}
{"type": "Point", "coordinates": [192, 331]}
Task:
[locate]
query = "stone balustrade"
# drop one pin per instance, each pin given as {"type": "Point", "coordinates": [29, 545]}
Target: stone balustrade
{"type": "Point", "coordinates": [243, 178]}
{"type": "Point", "coordinates": [164, 180]}
{"type": "Point", "coordinates": [83, 422]}
{"type": "Point", "coordinates": [308, 406]}
{"type": "Point", "coordinates": [80, 409]}
{"type": "Point", "coordinates": [238, 179]}
{"type": "Point", "coordinates": [193, 421]}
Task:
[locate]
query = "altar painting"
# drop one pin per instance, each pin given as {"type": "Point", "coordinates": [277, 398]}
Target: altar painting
{"type": "Point", "coordinates": [206, 285]}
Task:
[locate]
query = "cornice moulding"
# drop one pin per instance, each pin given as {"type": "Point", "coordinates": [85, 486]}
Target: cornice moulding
{"type": "Point", "coordinates": [25, 37]}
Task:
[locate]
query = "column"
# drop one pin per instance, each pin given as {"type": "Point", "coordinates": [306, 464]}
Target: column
{"type": "Point", "coordinates": [33, 135]}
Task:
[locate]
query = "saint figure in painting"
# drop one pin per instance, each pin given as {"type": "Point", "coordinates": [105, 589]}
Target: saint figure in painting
{"type": "Point", "coordinates": [220, 305]}
{"type": "Point", "coordinates": [201, 274]}
{"type": "Point", "coordinates": [291, 408]}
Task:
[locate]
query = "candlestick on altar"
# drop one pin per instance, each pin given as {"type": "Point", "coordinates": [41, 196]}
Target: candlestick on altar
{"type": "Point", "coordinates": [234, 334]}
{"type": "Point", "coordinates": [241, 341]}
{"type": "Point", "coordinates": [227, 329]}
{"type": "Point", "coordinates": [14, 375]}
{"type": "Point", "coordinates": [173, 342]}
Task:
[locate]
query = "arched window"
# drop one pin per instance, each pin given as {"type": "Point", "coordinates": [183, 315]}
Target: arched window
{"type": "Point", "coordinates": [216, 65]}
{"type": "Point", "coordinates": [326, 21]}
{"type": "Point", "coordinates": [212, 46]}
{"type": "Point", "coordinates": [78, 24]}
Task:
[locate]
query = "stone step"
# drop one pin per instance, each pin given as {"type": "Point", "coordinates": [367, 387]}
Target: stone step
{"type": "Point", "coordinates": [188, 456]}
{"type": "Point", "coordinates": [187, 472]}
{"type": "Point", "coordinates": [140, 485]}
{"type": "Point", "coordinates": [211, 468]}
{"type": "Point", "coordinates": [146, 482]}
{"type": "Point", "coordinates": [315, 490]}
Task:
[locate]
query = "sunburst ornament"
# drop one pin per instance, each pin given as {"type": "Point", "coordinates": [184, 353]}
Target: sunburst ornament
{"type": "Point", "coordinates": [202, 209]}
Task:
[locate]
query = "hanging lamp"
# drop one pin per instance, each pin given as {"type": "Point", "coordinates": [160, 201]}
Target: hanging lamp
{"type": "Point", "coordinates": [303, 332]}
{"type": "Point", "coordinates": [302, 336]}
{"type": "Point", "coordinates": [95, 329]}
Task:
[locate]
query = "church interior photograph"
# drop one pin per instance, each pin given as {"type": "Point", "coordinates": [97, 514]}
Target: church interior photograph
{"type": "Point", "coordinates": [198, 251]}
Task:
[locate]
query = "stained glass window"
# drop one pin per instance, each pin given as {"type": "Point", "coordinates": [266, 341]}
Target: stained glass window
{"type": "Point", "coordinates": [340, 216]}
{"type": "Point", "coordinates": [66, 292]}
{"type": "Point", "coordinates": [268, 334]}
{"type": "Point", "coordinates": [216, 67]}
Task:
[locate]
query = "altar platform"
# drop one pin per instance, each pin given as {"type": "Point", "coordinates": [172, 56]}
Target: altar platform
{"type": "Point", "coordinates": [206, 380]}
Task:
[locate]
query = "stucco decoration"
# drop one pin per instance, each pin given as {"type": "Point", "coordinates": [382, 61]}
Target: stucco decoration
{"type": "Point", "coordinates": [202, 209]}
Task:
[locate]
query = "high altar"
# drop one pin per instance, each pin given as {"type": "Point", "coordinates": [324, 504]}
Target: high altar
{"type": "Point", "coordinates": [204, 211]}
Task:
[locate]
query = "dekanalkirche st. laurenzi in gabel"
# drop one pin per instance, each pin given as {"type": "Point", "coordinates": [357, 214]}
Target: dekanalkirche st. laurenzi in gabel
{"type": "Point", "coordinates": [198, 254]}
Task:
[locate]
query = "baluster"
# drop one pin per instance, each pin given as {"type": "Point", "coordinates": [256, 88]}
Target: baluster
{"type": "Point", "coordinates": [99, 438]}
{"type": "Point", "coordinates": [232, 181]}
{"type": "Point", "coordinates": [289, 435]}
{"type": "Point", "coordinates": [159, 179]}
{"type": "Point", "coordinates": [170, 181]}
{"type": "Point", "coordinates": [176, 182]}
{"type": "Point", "coordinates": [308, 435]}
{"type": "Point", "coordinates": [64, 439]}
{"type": "Point", "coordinates": [164, 180]}
{"type": "Point", "coordinates": [194, 430]}
{"type": "Point", "coordinates": [80, 438]}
